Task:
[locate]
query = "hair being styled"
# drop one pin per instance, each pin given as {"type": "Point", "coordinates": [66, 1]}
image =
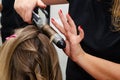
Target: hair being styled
{"type": "Point", "coordinates": [29, 56]}
{"type": "Point", "coordinates": [116, 15]}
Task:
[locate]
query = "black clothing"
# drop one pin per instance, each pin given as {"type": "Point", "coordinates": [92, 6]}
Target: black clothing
{"type": "Point", "coordinates": [10, 20]}
{"type": "Point", "coordinates": [99, 40]}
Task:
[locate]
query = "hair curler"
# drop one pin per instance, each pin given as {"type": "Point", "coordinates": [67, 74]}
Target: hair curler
{"type": "Point", "coordinates": [41, 21]}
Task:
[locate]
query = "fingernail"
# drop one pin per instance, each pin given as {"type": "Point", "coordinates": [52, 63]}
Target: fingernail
{"type": "Point", "coordinates": [80, 27]}
{"type": "Point", "coordinates": [60, 11]}
{"type": "Point", "coordinates": [44, 6]}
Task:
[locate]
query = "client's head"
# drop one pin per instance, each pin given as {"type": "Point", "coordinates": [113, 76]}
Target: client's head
{"type": "Point", "coordinates": [29, 56]}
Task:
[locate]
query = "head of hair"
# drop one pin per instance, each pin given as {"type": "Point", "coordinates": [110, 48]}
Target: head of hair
{"type": "Point", "coordinates": [29, 56]}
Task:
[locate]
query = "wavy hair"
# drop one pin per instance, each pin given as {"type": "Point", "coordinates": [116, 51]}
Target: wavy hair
{"type": "Point", "coordinates": [116, 15]}
{"type": "Point", "coordinates": [29, 56]}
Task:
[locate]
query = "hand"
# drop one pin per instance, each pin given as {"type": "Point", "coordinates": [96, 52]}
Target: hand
{"type": "Point", "coordinates": [25, 7]}
{"type": "Point", "coordinates": [73, 48]}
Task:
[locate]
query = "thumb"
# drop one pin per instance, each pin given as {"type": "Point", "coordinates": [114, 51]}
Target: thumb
{"type": "Point", "coordinates": [81, 33]}
{"type": "Point", "coordinates": [41, 4]}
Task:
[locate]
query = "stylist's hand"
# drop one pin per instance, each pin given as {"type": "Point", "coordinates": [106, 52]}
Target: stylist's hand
{"type": "Point", "coordinates": [25, 7]}
{"type": "Point", "coordinates": [73, 48]}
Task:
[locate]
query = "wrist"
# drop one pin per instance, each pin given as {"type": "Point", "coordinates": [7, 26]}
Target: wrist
{"type": "Point", "coordinates": [80, 53]}
{"type": "Point", "coordinates": [81, 59]}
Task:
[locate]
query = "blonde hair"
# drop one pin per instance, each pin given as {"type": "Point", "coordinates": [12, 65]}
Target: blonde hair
{"type": "Point", "coordinates": [116, 15]}
{"type": "Point", "coordinates": [29, 56]}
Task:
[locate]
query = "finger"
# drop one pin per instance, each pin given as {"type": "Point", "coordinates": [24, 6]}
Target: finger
{"type": "Point", "coordinates": [64, 21]}
{"type": "Point", "coordinates": [41, 4]}
{"type": "Point", "coordinates": [71, 23]}
{"type": "Point", "coordinates": [81, 33]}
{"type": "Point", "coordinates": [59, 27]}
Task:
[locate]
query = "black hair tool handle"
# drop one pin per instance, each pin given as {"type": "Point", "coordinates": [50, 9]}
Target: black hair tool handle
{"type": "Point", "coordinates": [41, 23]}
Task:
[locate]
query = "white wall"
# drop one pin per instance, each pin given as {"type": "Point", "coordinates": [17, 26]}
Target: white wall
{"type": "Point", "coordinates": [54, 14]}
